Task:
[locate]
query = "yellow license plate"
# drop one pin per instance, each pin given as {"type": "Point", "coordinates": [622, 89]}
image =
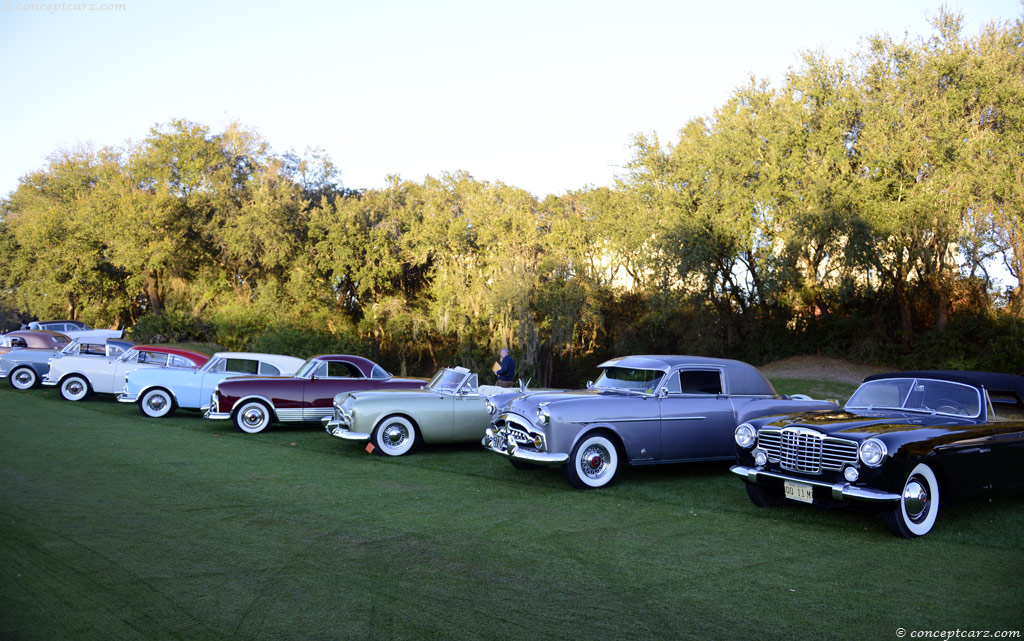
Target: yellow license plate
{"type": "Point", "coordinates": [798, 492]}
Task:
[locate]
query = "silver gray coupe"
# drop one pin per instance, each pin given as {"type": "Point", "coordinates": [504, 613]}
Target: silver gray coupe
{"type": "Point", "coordinates": [642, 410]}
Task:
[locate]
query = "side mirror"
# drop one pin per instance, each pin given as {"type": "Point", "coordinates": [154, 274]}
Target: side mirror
{"type": "Point", "coordinates": [662, 393]}
{"type": "Point", "coordinates": [590, 384]}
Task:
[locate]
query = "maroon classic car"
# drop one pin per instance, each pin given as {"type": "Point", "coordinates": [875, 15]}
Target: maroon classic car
{"type": "Point", "coordinates": [254, 402]}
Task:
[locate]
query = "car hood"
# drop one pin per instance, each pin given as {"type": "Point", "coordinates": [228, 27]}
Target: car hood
{"type": "Point", "coordinates": [864, 424]}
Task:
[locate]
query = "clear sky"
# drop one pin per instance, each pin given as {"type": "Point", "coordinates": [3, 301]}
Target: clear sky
{"type": "Point", "coordinates": [545, 95]}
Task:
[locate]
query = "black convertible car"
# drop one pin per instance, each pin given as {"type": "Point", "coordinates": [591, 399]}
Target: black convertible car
{"type": "Point", "coordinates": [906, 442]}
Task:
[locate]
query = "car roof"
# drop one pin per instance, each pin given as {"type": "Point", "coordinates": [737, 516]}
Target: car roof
{"type": "Point", "coordinates": [988, 380]}
{"type": "Point", "coordinates": [743, 378]}
{"type": "Point", "coordinates": [364, 364]}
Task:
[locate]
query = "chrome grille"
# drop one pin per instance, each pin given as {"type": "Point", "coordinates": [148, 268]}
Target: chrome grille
{"type": "Point", "coordinates": [802, 449]}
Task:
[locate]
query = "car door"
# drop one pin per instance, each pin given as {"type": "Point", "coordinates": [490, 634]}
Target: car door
{"type": "Point", "coordinates": [469, 416]}
{"type": "Point", "coordinates": [697, 418]}
{"type": "Point", "coordinates": [199, 387]}
{"type": "Point", "coordinates": [329, 380]}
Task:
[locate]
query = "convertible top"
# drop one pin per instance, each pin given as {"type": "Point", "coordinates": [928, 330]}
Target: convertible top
{"type": "Point", "coordinates": [742, 379]}
{"type": "Point", "coordinates": [988, 380]}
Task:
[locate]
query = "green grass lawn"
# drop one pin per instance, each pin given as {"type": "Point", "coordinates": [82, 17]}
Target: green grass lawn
{"type": "Point", "coordinates": [113, 526]}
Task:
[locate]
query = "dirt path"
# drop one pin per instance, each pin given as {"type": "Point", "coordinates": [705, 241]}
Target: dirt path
{"type": "Point", "coordinates": [819, 368]}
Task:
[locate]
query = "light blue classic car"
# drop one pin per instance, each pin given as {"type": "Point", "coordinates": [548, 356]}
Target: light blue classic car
{"type": "Point", "coordinates": [642, 410]}
{"type": "Point", "coordinates": [160, 391]}
{"type": "Point", "coordinates": [24, 368]}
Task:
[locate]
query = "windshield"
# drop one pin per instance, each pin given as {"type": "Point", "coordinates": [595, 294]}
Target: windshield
{"type": "Point", "coordinates": [308, 368]}
{"type": "Point", "coordinates": [917, 394]}
{"type": "Point", "coordinates": [213, 365]}
{"type": "Point", "coordinates": [129, 356]}
{"type": "Point", "coordinates": [71, 348]}
{"type": "Point", "coordinates": [628, 378]}
{"type": "Point", "coordinates": [447, 380]}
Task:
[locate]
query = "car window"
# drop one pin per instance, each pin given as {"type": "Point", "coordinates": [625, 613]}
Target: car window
{"type": "Point", "coordinates": [241, 365]}
{"type": "Point", "coordinates": [92, 348]}
{"type": "Point", "coordinates": [113, 351]}
{"type": "Point", "coordinates": [266, 369]}
{"type": "Point", "coordinates": [63, 340]}
{"type": "Point", "coordinates": [153, 358]}
{"type": "Point", "coordinates": [672, 384]}
{"type": "Point", "coordinates": [379, 372]}
{"type": "Point", "coordinates": [629, 378]}
{"type": "Point", "coordinates": [342, 369]}
{"type": "Point", "coordinates": [695, 381]}
{"type": "Point", "coordinates": [178, 361]}
{"type": "Point", "coordinates": [470, 387]}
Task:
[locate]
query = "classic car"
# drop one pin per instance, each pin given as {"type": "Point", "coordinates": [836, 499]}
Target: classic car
{"type": "Point", "coordinates": [24, 368]}
{"type": "Point", "coordinates": [904, 444]}
{"type": "Point", "coordinates": [642, 410]}
{"type": "Point", "coordinates": [77, 329]}
{"type": "Point", "coordinates": [253, 403]}
{"type": "Point", "coordinates": [79, 376]}
{"type": "Point", "coordinates": [451, 408]}
{"type": "Point", "coordinates": [160, 391]}
{"type": "Point", "coordinates": [32, 339]}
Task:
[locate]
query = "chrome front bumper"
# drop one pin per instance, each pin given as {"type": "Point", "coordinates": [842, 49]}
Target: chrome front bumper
{"type": "Point", "coordinates": [125, 397]}
{"type": "Point", "coordinates": [839, 491]}
{"type": "Point", "coordinates": [47, 381]}
{"type": "Point", "coordinates": [499, 444]}
{"type": "Point", "coordinates": [339, 429]}
{"type": "Point", "coordinates": [217, 416]}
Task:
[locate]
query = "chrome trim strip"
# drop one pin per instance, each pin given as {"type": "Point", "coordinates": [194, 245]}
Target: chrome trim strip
{"type": "Point", "coordinates": [840, 491]}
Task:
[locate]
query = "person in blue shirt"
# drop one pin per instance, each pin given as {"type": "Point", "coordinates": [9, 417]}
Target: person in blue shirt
{"type": "Point", "coordinates": [506, 368]}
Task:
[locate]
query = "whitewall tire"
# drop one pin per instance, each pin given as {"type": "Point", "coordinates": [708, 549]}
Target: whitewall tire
{"type": "Point", "coordinates": [156, 403]}
{"type": "Point", "coordinates": [74, 388]}
{"type": "Point", "coordinates": [918, 507]}
{"type": "Point", "coordinates": [23, 378]}
{"type": "Point", "coordinates": [394, 436]}
{"type": "Point", "coordinates": [594, 462]}
{"type": "Point", "coordinates": [253, 417]}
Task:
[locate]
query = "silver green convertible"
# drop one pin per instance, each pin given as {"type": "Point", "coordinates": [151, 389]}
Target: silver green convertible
{"type": "Point", "coordinates": [451, 408]}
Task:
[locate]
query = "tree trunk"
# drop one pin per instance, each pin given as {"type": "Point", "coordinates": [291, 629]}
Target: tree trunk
{"type": "Point", "coordinates": [156, 301]}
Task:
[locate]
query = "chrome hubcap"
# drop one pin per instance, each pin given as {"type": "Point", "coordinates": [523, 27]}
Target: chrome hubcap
{"type": "Point", "coordinates": [23, 378]}
{"type": "Point", "coordinates": [595, 461]}
{"type": "Point", "coordinates": [915, 498]}
{"type": "Point", "coordinates": [156, 402]}
{"type": "Point", "coordinates": [394, 435]}
{"type": "Point", "coordinates": [74, 388]}
{"type": "Point", "coordinates": [252, 417]}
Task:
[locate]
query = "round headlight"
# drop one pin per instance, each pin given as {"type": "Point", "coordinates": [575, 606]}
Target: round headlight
{"type": "Point", "coordinates": [491, 409]}
{"type": "Point", "coordinates": [872, 452]}
{"type": "Point", "coordinates": [542, 415]}
{"type": "Point", "coordinates": [760, 458]}
{"type": "Point", "coordinates": [745, 435]}
{"type": "Point", "coordinates": [851, 474]}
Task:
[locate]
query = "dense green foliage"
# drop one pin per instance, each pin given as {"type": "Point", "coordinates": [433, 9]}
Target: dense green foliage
{"type": "Point", "coordinates": [118, 527]}
{"type": "Point", "coordinates": [856, 210]}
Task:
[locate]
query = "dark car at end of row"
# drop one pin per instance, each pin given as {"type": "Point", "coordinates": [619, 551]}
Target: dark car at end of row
{"type": "Point", "coordinates": [904, 445]}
